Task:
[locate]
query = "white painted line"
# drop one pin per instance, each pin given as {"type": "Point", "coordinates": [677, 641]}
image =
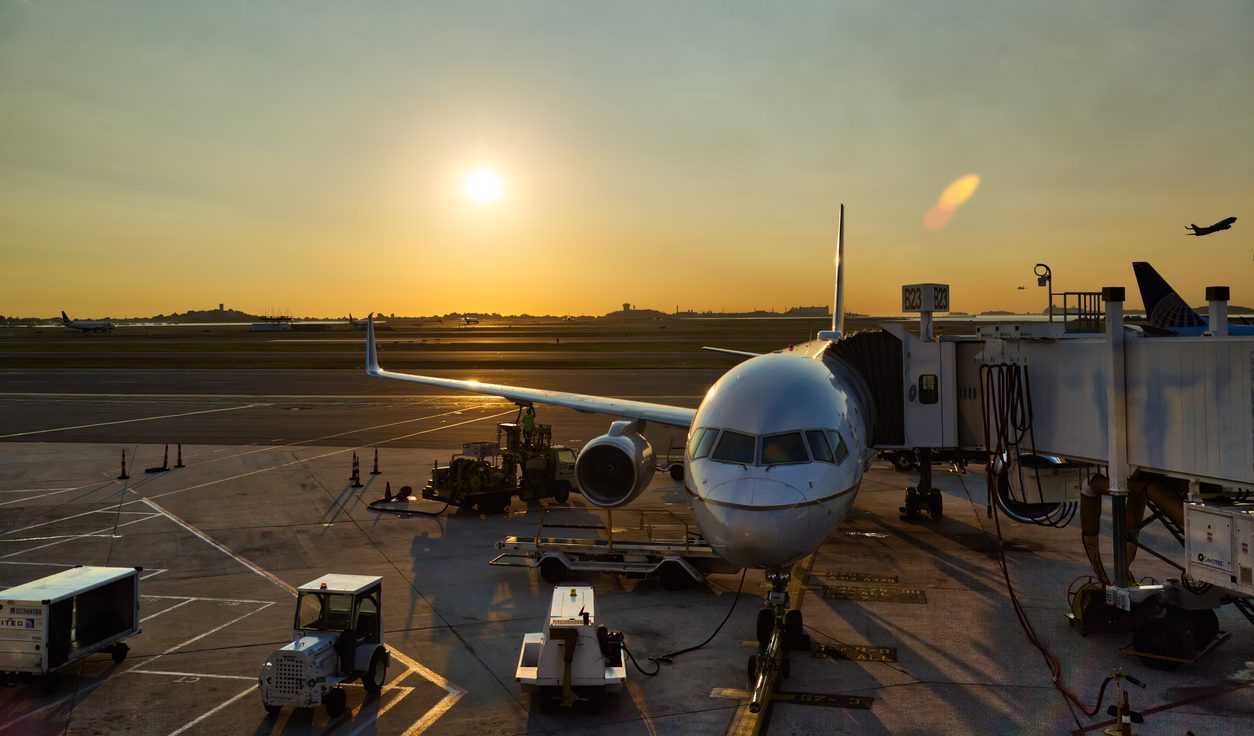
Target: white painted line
{"type": "Point", "coordinates": [78, 536]}
{"type": "Point", "coordinates": [129, 421]}
{"type": "Point", "coordinates": [112, 511]}
{"type": "Point", "coordinates": [199, 675]}
{"type": "Point", "coordinates": [203, 598]}
{"type": "Point", "coordinates": [166, 610]}
{"type": "Point", "coordinates": [63, 518]}
{"type": "Point", "coordinates": [210, 712]}
{"type": "Point", "coordinates": [153, 572]}
{"type": "Point", "coordinates": [42, 490]}
{"type": "Point", "coordinates": [198, 637]}
{"type": "Point", "coordinates": [51, 492]}
{"type": "Point", "coordinates": [205, 538]}
{"type": "Point", "coordinates": [342, 451]}
{"type": "Point", "coordinates": [45, 564]}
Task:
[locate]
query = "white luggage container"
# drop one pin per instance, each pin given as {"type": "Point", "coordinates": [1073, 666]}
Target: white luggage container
{"type": "Point", "coordinates": [50, 622]}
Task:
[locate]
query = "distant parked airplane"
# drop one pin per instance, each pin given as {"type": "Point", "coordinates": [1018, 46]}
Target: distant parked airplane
{"type": "Point", "coordinates": [1224, 224]}
{"type": "Point", "coordinates": [1166, 311]}
{"type": "Point", "coordinates": [471, 320]}
{"type": "Point", "coordinates": [87, 325]}
{"type": "Point", "coordinates": [358, 323]}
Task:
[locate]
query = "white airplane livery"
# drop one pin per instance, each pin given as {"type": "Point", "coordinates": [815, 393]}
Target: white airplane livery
{"type": "Point", "coordinates": [775, 451]}
{"type": "Point", "coordinates": [87, 325]}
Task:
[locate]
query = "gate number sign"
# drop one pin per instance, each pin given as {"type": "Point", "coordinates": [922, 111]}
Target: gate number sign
{"type": "Point", "coordinates": [925, 298]}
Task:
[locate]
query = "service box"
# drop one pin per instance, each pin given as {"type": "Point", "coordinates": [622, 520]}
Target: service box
{"type": "Point", "coordinates": [1218, 542]}
{"type": "Point", "coordinates": [50, 622]}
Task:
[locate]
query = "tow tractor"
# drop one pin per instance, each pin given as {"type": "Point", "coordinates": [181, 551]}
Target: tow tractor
{"type": "Point", "coordinates": [338, 638]}
{"type": "Point", "coordinates": [574, 658]}
{"type": "Point", "coordinates": [486, 475]}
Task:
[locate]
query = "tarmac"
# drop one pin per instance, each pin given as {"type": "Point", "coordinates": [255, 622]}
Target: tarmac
{"type": "Point", "coordinates": [264, 504]}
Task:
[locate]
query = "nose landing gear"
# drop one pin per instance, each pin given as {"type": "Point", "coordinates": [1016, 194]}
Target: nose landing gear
{"type": "Point", "coordinates": [779, 630]}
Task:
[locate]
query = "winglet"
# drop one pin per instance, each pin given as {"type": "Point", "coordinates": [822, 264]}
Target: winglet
{"type": "Point", "coordinates": [838, 301]}
{"type": "Point", "coordinates": [372, 352]}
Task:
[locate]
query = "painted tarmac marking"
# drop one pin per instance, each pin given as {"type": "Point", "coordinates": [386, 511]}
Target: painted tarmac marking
{"type": "Point", "coordinates": [62, 518]}
{"type": "Point", "coordinates": [207, 540]}
{"type": "Point", "coordinates": [198, 637]}
{"type": "Point", "coordinates": [195, 675]}
{"type": "Point", "coordinates": [151, 616]}
{"type": "Point", "coordinates": [213, 710]}
{"type": "Point", "coordinates": [95, 532]}
{"type": "Point", "coordinates": [44, 493]}
{"type": "Point", "coordinates": [332, 453]}
{"type": "Point", "coordinates": [130, 421]}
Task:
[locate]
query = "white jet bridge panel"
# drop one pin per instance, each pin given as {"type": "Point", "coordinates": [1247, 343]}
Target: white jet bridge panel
{"type": "Point", "coordinates": [1189, 402]}
{"type": "Point", "coordinates": [1190, 406]}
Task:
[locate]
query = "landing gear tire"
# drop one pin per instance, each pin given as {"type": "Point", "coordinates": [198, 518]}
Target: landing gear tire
{"type": "Point", "coordinates": [914, 504]}
{"type": "Point", "coordinates": [376, 673]}
{"type": "Point", "coordinates": [936, 505]}
{"type": "Point", "coordinates": [1164, 638]}
{"type": "Point", "coordinates": [753, 670]}
{"type": "Point", "coordinates": [795, 635]}
{"type": "Point", "coordinates": [335, 702]}
{"type": "Point", "coordinates": [677, 472]}
{"type": "Point", "coordinates": [765, 627]}
{"type": "Point", "coordinates": [552, 570]}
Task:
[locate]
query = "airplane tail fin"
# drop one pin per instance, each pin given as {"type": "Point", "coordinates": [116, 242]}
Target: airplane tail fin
{"type": "Point", "coordinates": [1164, 308]}
{"type": "Point", "coordinates": [372, 352]}
{"type": "Point", "coordinates": [838, 299]}
{"type": "Point", "coordinates": [64, 319]}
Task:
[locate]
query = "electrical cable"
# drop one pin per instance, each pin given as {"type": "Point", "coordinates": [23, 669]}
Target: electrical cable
{"type": "Point", "coordinates": [670, 656]}
{"type": "Point", "coordinates": [997, 383]}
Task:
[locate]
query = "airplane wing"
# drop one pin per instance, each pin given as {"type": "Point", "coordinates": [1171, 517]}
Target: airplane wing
{"type": "Point", "coordinates": [674, 416]}
{"type": "Point", "coordinates": [729, 351]}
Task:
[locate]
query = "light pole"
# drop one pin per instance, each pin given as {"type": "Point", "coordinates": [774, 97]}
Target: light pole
{"type": "Point", "coordinates": [1044, 277]}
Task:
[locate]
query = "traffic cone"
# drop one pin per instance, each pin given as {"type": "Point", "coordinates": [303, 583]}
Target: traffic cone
{"type": "Point", "coordinates": [356, 472]}
{"type": "Point", "coordinates": [165, 459]}
{"type": "Point", "coordinates": [123, 476]}
{"type": "Point", "coordinates": [387, 492]}
{"type": "Point", "coordinates": [376, 470]}
{"type": "Point", "coordinates": [180, 464]}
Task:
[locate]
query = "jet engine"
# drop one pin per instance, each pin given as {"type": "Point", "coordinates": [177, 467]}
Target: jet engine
{"type": "Point", "coordinates": [613, 469]}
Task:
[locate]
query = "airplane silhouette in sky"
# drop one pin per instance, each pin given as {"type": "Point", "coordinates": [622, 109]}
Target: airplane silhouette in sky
{"type": "Point", "coordinates": [1224, 224]}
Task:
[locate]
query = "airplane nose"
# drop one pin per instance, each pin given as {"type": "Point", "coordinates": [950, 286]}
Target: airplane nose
{"type": "Point", "coordinates": [755, 521]}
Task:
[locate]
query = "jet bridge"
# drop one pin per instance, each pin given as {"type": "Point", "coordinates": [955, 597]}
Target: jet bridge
{"type": "Point", "coordinates": [1085, 406]}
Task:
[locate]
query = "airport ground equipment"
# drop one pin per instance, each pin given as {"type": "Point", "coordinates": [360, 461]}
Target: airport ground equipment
{"type": "Point", "coordinates": [575, 657]}
{"type": "Point", "coordinates": [487, 475]}
{"type": "Point", "coordinates": [53, 621]}
{"type": "Point", "coordinates": [658, 544]}
{"type": "Point", "coordinates": [337, 638]}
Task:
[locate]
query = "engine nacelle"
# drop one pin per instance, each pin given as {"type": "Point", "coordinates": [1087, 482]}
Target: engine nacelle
{"type": "Point", "coordinates": [615, 468]}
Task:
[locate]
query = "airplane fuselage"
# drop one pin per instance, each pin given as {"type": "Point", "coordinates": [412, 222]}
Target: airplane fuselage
{"type": "Point", "coordinates": [775, 456]}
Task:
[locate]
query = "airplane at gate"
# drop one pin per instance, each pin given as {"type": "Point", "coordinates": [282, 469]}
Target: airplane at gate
{"type": "Point", "coordinates": [87, 325]}
{"type": "Point", "coordinates": [775, 452]}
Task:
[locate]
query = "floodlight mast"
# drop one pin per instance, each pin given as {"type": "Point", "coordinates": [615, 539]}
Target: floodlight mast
{"type": "Point", "coordinates": [1045, 277]}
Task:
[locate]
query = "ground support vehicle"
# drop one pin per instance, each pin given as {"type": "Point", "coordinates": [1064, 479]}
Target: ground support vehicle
{"type": "Point", "coordinates": [337, 638]}
{"type": "Point", "coordinates": [50, 622]}
{"type": "Point", "coordinates": [574, 657]}
{"type": "Point", "coordinates": [659, 545]}
{"type": "Point", "coordinates": [487, 476]}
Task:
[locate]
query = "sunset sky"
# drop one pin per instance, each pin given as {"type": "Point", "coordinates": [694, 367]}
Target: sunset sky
{"type": "Point", "coordinates": [313, 156]}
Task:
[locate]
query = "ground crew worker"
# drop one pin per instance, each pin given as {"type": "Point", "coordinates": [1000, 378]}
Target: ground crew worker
{"type": "Point", "coordinates": [529, 425]}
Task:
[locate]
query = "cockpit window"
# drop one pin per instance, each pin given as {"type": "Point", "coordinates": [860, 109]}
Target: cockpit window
{"type": "Point", "coordinates": [778, 449]}
{"type": "Point", "coordinates": [702, 441]}
{"type": "Point", "coordinates": [735, 447]}
{"type": "Point", "coordinates": [839, 451]}
{"type": "Point", "coordinates": [819, 446]}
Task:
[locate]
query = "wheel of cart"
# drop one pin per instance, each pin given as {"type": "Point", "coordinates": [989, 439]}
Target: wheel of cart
{"type": "Point", "coordinates": [553, 570]}
{"type": "Point", "coordinates": [119, 651]}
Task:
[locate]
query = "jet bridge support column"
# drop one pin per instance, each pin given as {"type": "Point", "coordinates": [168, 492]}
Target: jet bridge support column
{"type": "Point", "coordinates": [1117, 422]}
{"type": "Point", "coordinates": [1217, 312]}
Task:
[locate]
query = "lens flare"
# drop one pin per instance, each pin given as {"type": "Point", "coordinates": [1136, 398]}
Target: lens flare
{"type": "Point", "coordinates": [953, 197]}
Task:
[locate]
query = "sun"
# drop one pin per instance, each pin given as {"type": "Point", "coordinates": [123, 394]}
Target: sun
{"type": "Point", "coordinates": [483, 186]}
